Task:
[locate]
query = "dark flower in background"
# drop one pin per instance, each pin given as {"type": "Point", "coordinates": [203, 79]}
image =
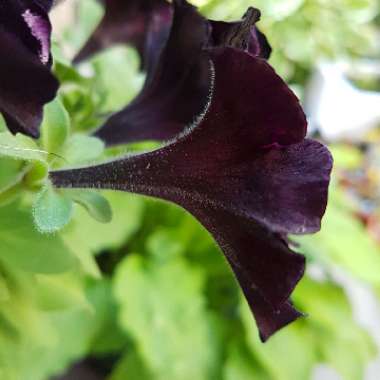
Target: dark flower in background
{"type": "Point", "coordinates": [178, 73]}
{"type": "Point", "coordinates": [176, 88]}
{"type": "Point", "coordinates": [245, 171]}
{"type": "Point", "coordinates": [26, 82]}
{"type": "Point", "coordinates": [127, 22]}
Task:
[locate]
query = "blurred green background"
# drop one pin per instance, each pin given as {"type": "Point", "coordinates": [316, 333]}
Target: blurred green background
{"type": "Point", "coordinates": [149, 296]}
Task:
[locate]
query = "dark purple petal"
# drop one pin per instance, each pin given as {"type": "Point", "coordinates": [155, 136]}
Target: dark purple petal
{"type": "Point", "coordinates": [128, 22]}
{"type": "Point", "coordinates": [29, 22]}
{"type": "Point", "coordinates": [246, 172]}
{"type": "Point", "coordinates": [176, 93]}
{"type": "Point", "coordinates": [268, 319]}
{"type": "Point", "coordinates": [26, 82]}
{"type": "Point", "coordinates": [266, 269]}
{"type": "Point", "coordinates": [259, 45]}
{"type": "Point", "coordinates": [158, 31]}
{"type": "Point", "coordinates": [260, 257]}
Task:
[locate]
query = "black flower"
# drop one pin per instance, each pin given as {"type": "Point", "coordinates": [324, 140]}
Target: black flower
{"type": "Point", "coordinates": [178, 81]}
{"type": "Point", "coordinates": [245, 170]}
{"type": "Point", "coordinates": [26, 82]}
{"type": "Point", "coordinates": [129, 22]}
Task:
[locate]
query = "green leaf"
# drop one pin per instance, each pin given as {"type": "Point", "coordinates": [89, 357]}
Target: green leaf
{"type": "Point", "coordinates": [4, 289]}
{"type": "Point", "coordinates": [89, 14]}
{"type": "Point", "coordinates": [85, 236]}
{"type": "Point", "coordinates": [11, 195]}
{"type": "Point", "coordinates": [95, 204]}
{"type": "Point", "coordinates": [55, 126]}
{"type": "Point", "coordinates": [60, 292]}
{"type": "Point", "coordinates": [108, 337]}
{"type": "Point", "coordinates": [82, 252]}
{"type": "Point", "coordinates": [23, 148]}
{"type": "Point", "coordinates": [164, 244]}
{"type": "Point", "coordinates": [241, 364]}
{"type": "Point", "coordinates": [173, 335]}
{"type": "Point", "coordinates": [342, 343]}
{"type": "Point", "coordinates": [293, 351]}
{"type": "Point", "coordinates": [11, 172]}
{"type": "Point", "coordinates": [348, 355]}
{"type": "Point", "coordinates": [37, 176]}
{"type": "Point", "coordinates": [86, 232]}
{"type": "Point", "coordinates": [23, 246]}
{"type": "Point", "coordinates": [132, 366]}
{"type": "Point", "coordinates": [82, 149]}
{"type": "Point", "coordinates": [110, 66]}
{"type": "Point", "coordinates": [289, 355]}
{"type": "Point", "coordinates": [3, 126]}
{"type": "Point", "coordinates": [66, 73]}
{"type": "Point", "coordinates": [20, 147]}
{"type": "Point", "coordinates": [51, 210]}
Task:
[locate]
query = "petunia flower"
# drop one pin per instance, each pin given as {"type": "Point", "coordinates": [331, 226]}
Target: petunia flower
{"type": "Point", "coordinates": [26, 82]}
{"type": "Point", "coordinates": [177, 89]}
{"type": "Point", "coordinates": [245, 170]}
{"type": "Point", "coordinates": [127, 22]}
